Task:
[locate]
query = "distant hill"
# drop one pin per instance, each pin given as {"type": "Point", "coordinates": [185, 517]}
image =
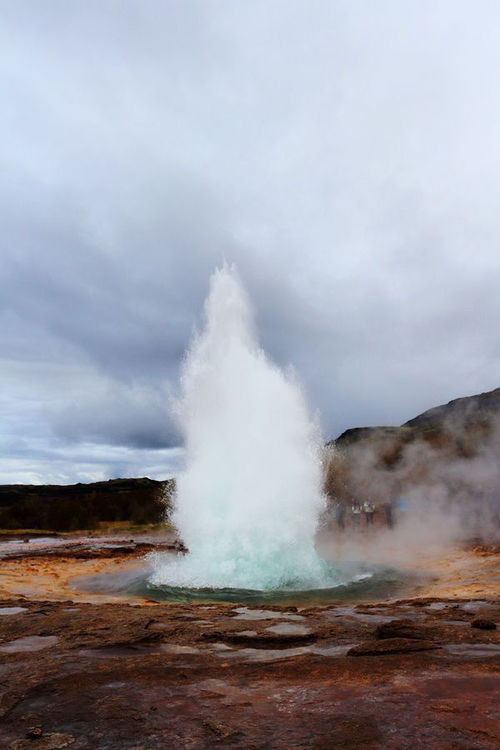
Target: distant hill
{"type": "Point", "coordinates": [84, 506]}
{"type": "Point", "coordinates": [468, 411]}
{"type": "Point", "coordinates": [450, 451]}
{"type": "Point", "coordinates": [457, 428]}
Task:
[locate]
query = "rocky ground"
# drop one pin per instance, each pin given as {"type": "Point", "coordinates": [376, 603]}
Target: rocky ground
{"type": "Point", "coordinates": [88, 672]}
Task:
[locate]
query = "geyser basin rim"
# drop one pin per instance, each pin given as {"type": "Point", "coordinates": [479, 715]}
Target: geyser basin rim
{"type": "Point", "coordinates": [359, 584]}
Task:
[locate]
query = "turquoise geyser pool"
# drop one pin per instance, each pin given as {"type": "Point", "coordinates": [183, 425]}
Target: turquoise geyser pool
{"type": "Point", "coordinates": [351, 581]}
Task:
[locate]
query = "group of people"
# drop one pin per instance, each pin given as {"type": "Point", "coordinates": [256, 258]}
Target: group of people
{"type": "Point", "coordinates": [359, 509]}
{"type": "Point", "coordinates": [367, 509]}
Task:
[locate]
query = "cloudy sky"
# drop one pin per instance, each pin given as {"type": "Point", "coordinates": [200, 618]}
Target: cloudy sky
{"type": "Point", "coordinates": [345, 154]}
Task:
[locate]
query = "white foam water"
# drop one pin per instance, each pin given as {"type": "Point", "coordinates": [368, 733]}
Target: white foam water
{"type": "Point", "coordinates": [248, 501]}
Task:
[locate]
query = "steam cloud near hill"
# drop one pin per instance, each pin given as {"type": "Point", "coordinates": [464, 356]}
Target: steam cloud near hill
{"type": "Point", "coordinates": [449, 478]}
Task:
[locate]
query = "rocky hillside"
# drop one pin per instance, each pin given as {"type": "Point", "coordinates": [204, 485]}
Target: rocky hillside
{"type": "Point", "coordinates": [459, 428]}
{"type": "Point", "coordinates": [467, 412]}
{"type": "Point", "coordinates": [451, 450]}
{"type": "Point", "coordinates": [84, 506]}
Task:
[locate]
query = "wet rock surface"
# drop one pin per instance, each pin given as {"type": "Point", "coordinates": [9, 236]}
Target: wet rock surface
{"type": "Point", "coordinates": [138, 675]}
{"type": "Point", "coordinates": [85, 548]}
{"type": "Point", "coordinates": [409, 630]}
{"type": "Point", "coordinates": [391, 646]}
{"type": "Point", "coordinates": [188, 676]}
{"type": "Point", "coordinates": [482, 623]}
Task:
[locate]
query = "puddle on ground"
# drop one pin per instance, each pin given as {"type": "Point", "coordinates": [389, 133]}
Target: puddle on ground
{"type": "Point", "coordinates": [139, 650]}
{"type": "Point", "coordinates": [478, 604]}
{"type": "Point", "coordinates": [230, 695]}
{"type": "Point", "coordinates": [31, 540]}
{"type": "Point", "coordinates": [376, 619]}
{"type": "Point", "coordinates": [349, 611]}
{"type": "Point", "coordinates": [172, 648]}
{"type": "Point", "coordinates": [346, 610]}
{"type": "Point", "coordinates": [331, 650]}
{"type": "Point", "coordinates": [409, 612]}
{"type": "Point", "coordinates": [29, 643]}
{"type": "Point", "coordinates": [481, 650]}
{"type": "Point", "coordinates": [264, 614]}
{"type": "Point", "coordinates": [119, 651]}
{"type": "Point", "coordinates": [264, 655]}
{"type": "Point", "coordinates": [268, 654]}
{"type": "Point", "coordinates": [288, 628]}
{"type": "Point", "coordinates": [12, 610]}
{"type": "Point", "coordinates": [114, 685]}
{"type": "Point", "coordinates": [213, 685]}
{"type": "Point", "coordinates": [437, 606]}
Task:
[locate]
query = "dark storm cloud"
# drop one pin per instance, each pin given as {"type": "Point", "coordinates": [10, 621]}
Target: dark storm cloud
{"type": "Point", "coordinates": [343, 155]}
{"type": "Point", "coordinates": [134, 417]}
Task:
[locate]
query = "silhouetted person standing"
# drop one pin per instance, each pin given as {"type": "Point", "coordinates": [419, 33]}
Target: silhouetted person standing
{"type": "Point", "coordinates": [368, 510]}
{"type": "Point", "coordinates": [341, 516]}
{"type": "Point", "coordinates": [389, 514]}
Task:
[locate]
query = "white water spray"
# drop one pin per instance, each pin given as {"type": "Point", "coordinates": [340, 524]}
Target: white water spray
{"type": "Point", "coordinates": [248, 501]}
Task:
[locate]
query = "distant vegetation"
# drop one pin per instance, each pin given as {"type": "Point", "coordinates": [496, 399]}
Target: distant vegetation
{"type": "Point", "coordinates": [84, 506]}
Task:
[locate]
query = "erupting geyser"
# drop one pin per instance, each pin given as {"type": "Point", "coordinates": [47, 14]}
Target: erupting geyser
{"type": "Point", "coordinates": [247, 503]}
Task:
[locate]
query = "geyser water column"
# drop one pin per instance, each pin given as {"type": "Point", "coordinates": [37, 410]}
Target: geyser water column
{"type": "Point", "coordinates": [247, 503]}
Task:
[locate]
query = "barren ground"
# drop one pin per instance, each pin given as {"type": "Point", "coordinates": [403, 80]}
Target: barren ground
{"type": "Point", "coordinates": [92, 671]}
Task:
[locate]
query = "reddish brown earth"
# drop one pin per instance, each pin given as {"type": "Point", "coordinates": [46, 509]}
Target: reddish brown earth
{"type": "Point", "coordinates": [119, 674]}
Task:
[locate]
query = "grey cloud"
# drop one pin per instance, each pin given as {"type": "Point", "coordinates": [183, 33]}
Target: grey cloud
{"type": "Point", "coordinates": [344, 156]}
{"type": "Point", "coordinates": [133, 417]}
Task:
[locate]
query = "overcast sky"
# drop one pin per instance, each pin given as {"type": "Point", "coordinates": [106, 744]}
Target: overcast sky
{"type": "Point", "coordinates": [345, 154]}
